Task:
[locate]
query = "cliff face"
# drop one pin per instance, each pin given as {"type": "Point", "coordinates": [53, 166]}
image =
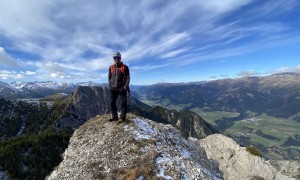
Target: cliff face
{"type": "Point", "coordinates": [144, 149]}
{"type": "Point", "coordinates": [188, 122]}
{"type": "Point", "coordinates": [86, 102]}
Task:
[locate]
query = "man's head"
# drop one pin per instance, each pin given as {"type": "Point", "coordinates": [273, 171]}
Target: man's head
{"type": "Point", "coordinates": [117, 57]}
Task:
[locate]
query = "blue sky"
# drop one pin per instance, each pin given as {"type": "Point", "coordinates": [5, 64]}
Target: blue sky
{"type": "Point", "coordinates": [160, 41]}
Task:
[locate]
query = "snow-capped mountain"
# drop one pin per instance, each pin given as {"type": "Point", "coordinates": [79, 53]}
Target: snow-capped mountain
{"type": "Point", "coordinates": [34, 85]}
{"type": "Point", "coordinates": [15, 90]}
{"type": "Point", "coordinates": [8, 92]}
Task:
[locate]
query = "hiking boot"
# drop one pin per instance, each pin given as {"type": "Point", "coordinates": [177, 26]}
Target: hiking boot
{"type": "Point", "coordinates": [122, 120]}
{"type": "Point", "coordinates": [113, 119]}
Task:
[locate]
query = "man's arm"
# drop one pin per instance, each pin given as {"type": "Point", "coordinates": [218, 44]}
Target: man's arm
{"type": "Point", "coordinates": [109, 76]}
{"type": "Point", "coordinates": [127, 78]}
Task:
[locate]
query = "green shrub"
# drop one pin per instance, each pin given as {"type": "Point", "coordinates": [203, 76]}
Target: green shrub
{"type": "Point", "coordinates": [253, 150]}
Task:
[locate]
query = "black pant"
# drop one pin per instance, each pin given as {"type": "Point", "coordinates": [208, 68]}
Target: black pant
{"type": "Point", "coordinates": [114, 94]}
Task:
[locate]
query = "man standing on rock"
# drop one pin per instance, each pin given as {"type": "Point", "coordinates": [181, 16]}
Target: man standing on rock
{"type": "Point", "coordinates": [118, 80]}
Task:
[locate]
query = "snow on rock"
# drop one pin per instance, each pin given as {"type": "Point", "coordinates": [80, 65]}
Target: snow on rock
{"type": "Point", "coordinates": [144, 130]}
{"type": "Point", "coordinates": [137, 149]}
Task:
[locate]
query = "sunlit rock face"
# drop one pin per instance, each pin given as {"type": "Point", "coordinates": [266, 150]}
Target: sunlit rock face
{"type": "Point", "coordinates": [236, 163]}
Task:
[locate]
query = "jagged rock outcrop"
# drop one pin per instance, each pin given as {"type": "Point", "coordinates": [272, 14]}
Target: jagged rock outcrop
{"type": "Point", "coordinates": [235, 162]}
{"type": "Point", "coordinates": [86, 102]}
{"type": "Point", "coordinates": [139, 148]}
{"type": "Point", "coordinates": [188, 122]}
{"type": "Point", "coordinates": [144, 149]}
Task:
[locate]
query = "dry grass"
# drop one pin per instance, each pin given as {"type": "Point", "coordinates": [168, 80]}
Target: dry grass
{"type": "Point", "coordinates": [142, 166]}
{"type": "Point", "coordinates": [96, 170]}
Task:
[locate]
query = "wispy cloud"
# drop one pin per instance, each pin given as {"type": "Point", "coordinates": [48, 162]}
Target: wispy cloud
{"type": "Point", "coordinates": [174, 53]}
{"type": "Point", "coordinates": [147, 67]}
{"type": "Point", "coordinates": [75, 38]}
{"type": "Point", "coordinates": [4, 74]}
{"type": "Point", "coordinates": [271, 8]}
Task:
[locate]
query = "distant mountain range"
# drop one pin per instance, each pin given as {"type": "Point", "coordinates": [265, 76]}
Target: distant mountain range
{"type": "Point", "coordinates": [277, 95]}
{"type": "Point", "coordinates": [17, 90]}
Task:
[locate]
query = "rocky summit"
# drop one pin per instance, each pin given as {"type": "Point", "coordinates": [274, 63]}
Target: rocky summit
{"type": "Point", "coordinates": [143, 149]}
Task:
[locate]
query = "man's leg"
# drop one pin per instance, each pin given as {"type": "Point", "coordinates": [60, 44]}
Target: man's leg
{"type": "Point", "coordinates": [113, 103]}
{"type": "Point", "coordinates": [123, 97]}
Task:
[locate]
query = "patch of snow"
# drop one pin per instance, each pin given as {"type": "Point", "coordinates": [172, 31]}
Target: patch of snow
{"type": "Point", "coordinates": [145, 130]}
{"type": "Point", "coordinates": [4, 175]}
{"type": "Point", "coordinates": [128, 128]}
{"type": "Point", "coordinates": [162, 162]}
{"type": "Point", "coordinates": [180, 148]}
{"type": "Point", "coordinates": [185, 153]}
{"type": "Point", "coordinates": [140, 178]}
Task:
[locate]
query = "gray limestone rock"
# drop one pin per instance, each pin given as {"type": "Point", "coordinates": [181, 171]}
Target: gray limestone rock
{"type": "Point", "coordinates": [235, 162]}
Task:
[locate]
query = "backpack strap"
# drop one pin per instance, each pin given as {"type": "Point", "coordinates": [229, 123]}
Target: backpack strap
{"type": "Point", "coordinates": [112, 69]}
{"type": "Point", "coordinates": [122, 69]}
